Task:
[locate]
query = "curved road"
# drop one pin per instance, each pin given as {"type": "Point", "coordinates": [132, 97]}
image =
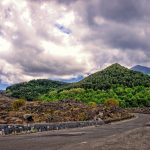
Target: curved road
{"type": "Point", "coordinates": [74, 139]}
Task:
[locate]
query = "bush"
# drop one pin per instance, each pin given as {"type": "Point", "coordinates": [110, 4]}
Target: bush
{"type": "Point", "coordinates": [111, 103]}
{"type": "Point", "coordinates": [92, 104]}
{"type": "Point", "coordinates": [18, 103]}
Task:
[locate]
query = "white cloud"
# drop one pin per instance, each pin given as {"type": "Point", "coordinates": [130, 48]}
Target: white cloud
{"type": "Point", "coordinates": [4, 45]}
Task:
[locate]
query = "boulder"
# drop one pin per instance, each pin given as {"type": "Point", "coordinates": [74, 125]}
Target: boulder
{"type": "Point", "coordinates": [28, 117]}
{"type": "Point", "coordinates": [3, 122]}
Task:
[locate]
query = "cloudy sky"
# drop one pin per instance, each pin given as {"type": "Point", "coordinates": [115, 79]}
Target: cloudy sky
{"type": "Point", "coordinates": [63, 39]}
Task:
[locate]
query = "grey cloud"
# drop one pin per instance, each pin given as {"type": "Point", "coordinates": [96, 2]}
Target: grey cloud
{"type": "Point", "coordinates": [117, 38]}
{"type": "Point", "coordinates": [65, 2]}
{"type": "Point", "coordinates": [28, 54]}
{"type": "Point", "coordinates": [59, 67]}
{"type": "Point", "coordinates": [126, 39]}
{"type": "Point", "coordinates": [121, 10]}
{"type": "Point", "coordinates": [43, 34]}
{"type": "Point", "coordinates": [123, 22]}
{"type": "Point", "coordinates": [32, 61]}
{"type": "Point", "coordinates": [1, 33]}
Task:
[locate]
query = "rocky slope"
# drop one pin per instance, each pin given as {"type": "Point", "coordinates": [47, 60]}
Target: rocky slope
{"type": "Point", "coordinates": [61, 111]}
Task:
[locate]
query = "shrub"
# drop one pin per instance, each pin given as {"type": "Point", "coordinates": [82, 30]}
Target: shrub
{"type": "Point", "coordinates": [18, 103]}
{"type": "Point", "coordinates": [73, 91]}
{"type": "Point", "coordinates": [92, 104]}
{"type": "Point", "coordinates": [111, 103]}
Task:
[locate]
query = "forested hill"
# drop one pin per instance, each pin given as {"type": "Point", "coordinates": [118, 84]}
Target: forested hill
{"type": "Point", "coordinates": [110, 78]}
{"type": "Point", "coordinates": [32, 89]}
{"type": "Point", "coordinates": [114, 76]}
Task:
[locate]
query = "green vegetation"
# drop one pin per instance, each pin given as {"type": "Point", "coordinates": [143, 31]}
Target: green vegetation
{"type": "Point", "coordinates": [128, 97]}
{"type": "Point", "coordinates": [32, 89]}
{"type": "Point", "coordinates": [129, 88]}
{"type": "Point", "coordinates": [111, 103]}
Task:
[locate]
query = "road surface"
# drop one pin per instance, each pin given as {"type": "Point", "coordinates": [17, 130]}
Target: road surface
{"type": "Point", "coordinates": [89, 138]}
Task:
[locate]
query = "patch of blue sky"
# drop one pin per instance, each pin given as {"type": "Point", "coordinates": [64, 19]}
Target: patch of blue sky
{"type": "Point", "coordinates": [72, 80]}
{"type": "Point", "coordinates": [62, 28]}
{"type": "Point", "coordinates": [3, 86]}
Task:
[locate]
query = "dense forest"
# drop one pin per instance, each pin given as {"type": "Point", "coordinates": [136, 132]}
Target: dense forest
{"type": "Point", "coordinates": [112, 77]}
{"type": "Point", "coordinates": [130, 88]}
{"type": "Point", "coordinates": [127, 97]}
{"type": "Point", "coordinates": [33, 89]}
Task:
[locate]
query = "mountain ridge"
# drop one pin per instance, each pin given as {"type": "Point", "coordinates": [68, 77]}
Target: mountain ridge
{"type": "Point", "coordinates": [143, 69]}
{"type": "Point", "coordinates": [111, 77]}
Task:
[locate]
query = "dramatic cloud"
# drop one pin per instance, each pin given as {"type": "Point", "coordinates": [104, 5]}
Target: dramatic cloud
{"type": "Point", "coordinates": [62, 39]}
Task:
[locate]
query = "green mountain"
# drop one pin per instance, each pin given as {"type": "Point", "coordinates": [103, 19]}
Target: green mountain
{"type": "Point", "coordinates": [32, 89]}
{"type": "Point", "coordinates": [130, 88]}
{"type": "Point", "coordinates": [114, 76]}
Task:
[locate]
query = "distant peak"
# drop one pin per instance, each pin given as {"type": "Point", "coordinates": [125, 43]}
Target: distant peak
{"type": "Point", "coordinates": [115, 65]}
{"type": "Point", "coordinates": [140, 68]}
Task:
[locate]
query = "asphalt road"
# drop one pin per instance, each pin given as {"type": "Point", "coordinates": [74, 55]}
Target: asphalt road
{"type": "Point", "coordinates": [72, 139]}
